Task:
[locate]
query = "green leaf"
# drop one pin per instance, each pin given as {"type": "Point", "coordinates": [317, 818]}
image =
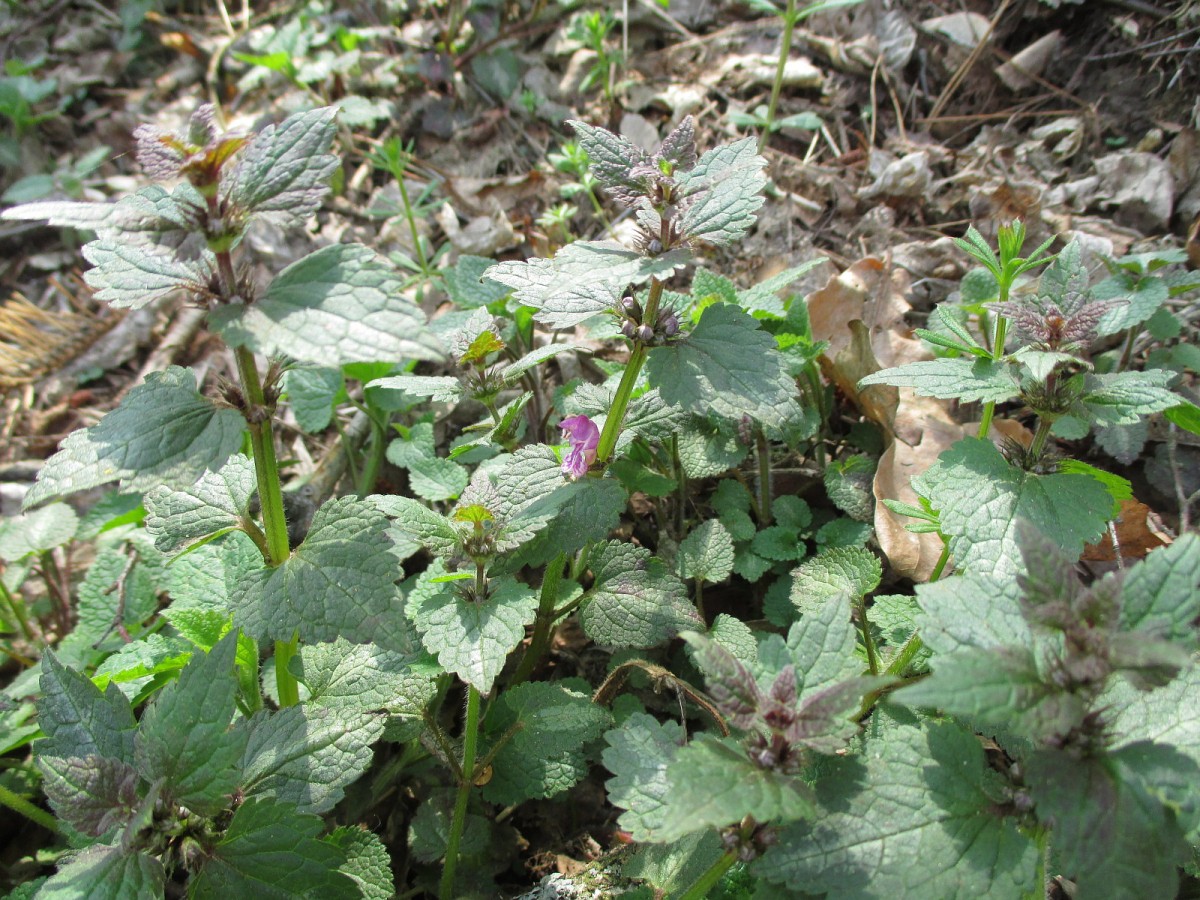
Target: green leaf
{"type": "Point", "coordinates": [706, 553]}
{"type": "Point", "coordinates": [1186, 415]}
{"type": "Point", "coordinates": [313, 391]}
{"type": "Point", "coordinates": [638, 754]}
{"type": "Point", "coordinates": [217, 503]}
{"type": "Point", "coordinates": [98, 606]}
{"type": "Point", "coordinates": [545, 756]}
{"type": "Point", "coordinates": [438, 388]}
{"type": "Point", "coordinates": [728, 365]}
{"type": "Point", "coordinates": [723, 190]}
{"type": "Point", "coordinates": [1114, 839]}
{"type": "Point", "coordinates": [1143, 295]}
{"type": "Point", "coordinates": [535, 357]}
{"type": "Point", "coordinates": [912, 817]}
{"type": "Point", "coordinates": [362, 677]}
{"type": "Point", "coordinates": [1000, 687]}
{"type": "Point", "coordinates": [429, 832]}
{"type": "Point", "coordinates": [129, 275]}
{"type": "Point", "coordinates": [339, 582]}
{"type": "Point", "coordinates": [367, 861]}
{"type": "Point", "coordinates": [106, 873]}
{"type": "Point", "coordinates": [705, 451]}
{"type": "Point", "coordinates": [778, 544]}
{"type": "Point", "coordinates": [710, 287]}
{"type": "Point", "coordinates": [472, 638]}
{"type": "Point", "coordinates": [271, 852]}
{"type": "Point", "coordinates": [980, 498]}
{"type": "Point", "coordinates": [1123, 398]}
{"type": "Point", "coordinates": [635, 601]}
{"type": "Point", "coordinates": [1168, 716]}
{"type": "Point", "coordinates": [849, 483]}
{"type": "Point", "coordinates": [850, 572]}
{"type": "Point", "coordinates": [37, 531]}
{"type": "Point", "coordinates": [163, 432]}
{"type": "Point", "coordinates": [284, 172]}
{"type": "Point", "coordinates": [953, 618]}
{"type": "Point", "coordinates": [185, 738]}
{"type": "Point", "coordinates": [579, 512]}
{"type": "Point", "coordinates": [91, 793]}
{"type": "Point", "coordinates": [430, 529]}
{"type": "Point", "coordinates": [306, 756]}
{"type": "Point", "coordinates": [465, 284]}
{"type": "Point", "coordinates": [820, 646]}
{"type": "Point", "coordinates": [961, 379]}
{"type": "Point", "coordinates": [712, 783]}
{"type": "Point", "coordinates": [78, 719]}
{"type": "Point", "coordinates": [341, 304]}
{"type": "Point", "coordinates": [583, 279]}
{"type": "Point", "coordinates": [1161, 594]}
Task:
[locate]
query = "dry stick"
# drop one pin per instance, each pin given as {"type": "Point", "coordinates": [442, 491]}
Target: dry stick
{"type": "Point", "coordinates": [960, 74]}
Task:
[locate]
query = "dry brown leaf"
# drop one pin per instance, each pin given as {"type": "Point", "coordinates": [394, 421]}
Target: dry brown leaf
{"type": "Point", "coordinates": [1138, 532]}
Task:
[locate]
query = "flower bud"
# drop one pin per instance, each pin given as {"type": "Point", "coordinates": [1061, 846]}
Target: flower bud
{"type": "Point", "coordinates": [628, 329]}
{"type": "Point", "coordinates": [645, 334]}
{"type": "Point", "coordinates": [631, 308]}
{"type": "Point", "coordinates": [668, 323]}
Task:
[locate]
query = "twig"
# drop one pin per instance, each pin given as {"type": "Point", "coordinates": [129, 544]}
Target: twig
{"type": "Point", "coordinates": [969, 63]}
{"type": "Point", "coordinates": [119, 617]}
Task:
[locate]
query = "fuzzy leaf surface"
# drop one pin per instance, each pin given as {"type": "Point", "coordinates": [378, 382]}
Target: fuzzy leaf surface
{"type": "Point", "coordinates": [1161, 595]}
{"type": "Point", "coordinates": [851, 572]}
{"type": "Point", "coordinates": [583, 279]}
{"type": "Point", "coordinates": [368, 862]}
{"type": "Point", "coordinates": [92, 793]}
{"type": "Point", "coordinates": [545, 757]}
{"type": "Point", "coordinates": [78, 719]}
{"type": "Point", "coordinates": [963, 379]}
{"type": "Point", "coordinates": [271, 852]}
{"type": "Point", "coordinates": [306, 756]}
{"type": "Point", "coordinates": [341, 304]}
{"type": "Point", "coordinates": [473, 639]}
{"type": "Point", "coordinates": [129, 275]}
{"type": "Point", "coordinates": [313, 392]}
{"type": "Point", "coordinates": [724, 191]}
{"type": "Point", "coordinates": [887, 810]}
{"type": "Point", "coordinates": [728, 365]}
{"type": "Point", "coordinates": [635, 601]}
{"type": "Point", "coordinates": [216, 503]}
{"type": "Point", "coordinates": [163, 432]}
{"type": "Point", "coordinates": [638, 754]}
{"type": "Point", "coordinates": [339, 582]}
{"type": "Point", "coordinates": [981, 497]}
{"type": "Point", "coordinates": [1115, 838]}
{"type": "Point", "coordinates": [706, 553]}
{"type": "Point", "coordinates": [1123, 398]}
{"type": "Point", "coordinates": [285, 170]}
{"type": "Point", "coordinates": [361, 677]}
{"type": "Point", "coordinates": [106, 873]}
{"type": "Point", "coordinates": [37, 531]}
{"type": "Point", "coordinates": [185, 736]}
{"type": "Point", "coordinates": [712, 783]}
{"type": "Point", "coordinates": [578, 512]}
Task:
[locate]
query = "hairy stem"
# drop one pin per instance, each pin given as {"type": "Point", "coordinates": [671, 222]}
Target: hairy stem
{"type": "Point", "coordinates": [1038, 446]}
{"type": "Point", "coordinates": [19, 804]}
{"type": "Point", "coordinates": [940, 565]}
{"type": "Point", "coordinates": [785, 51]}
{"type": "Point", "coordinates": [706, 882]}
{"type": "Point", "coordinates": [998, 337]}
{"type": "Point", "coordinates": [18, 610]}
{"type": "Point", "coordinates": [470, 743]}
{"type": "Point", "coordinates": [637, 357]}
{"type": "Point", "coordinates": [544, 623]}
{"type": "Point", "coordinates": [764, 479]}
{"type": "Point", "coordinates": [864, 625]}
{"type": "Point", "coordinates": [374, 461]}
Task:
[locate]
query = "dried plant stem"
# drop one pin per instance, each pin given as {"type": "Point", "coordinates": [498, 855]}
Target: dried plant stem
{"type": "Point", "coordinates": [457, 823]}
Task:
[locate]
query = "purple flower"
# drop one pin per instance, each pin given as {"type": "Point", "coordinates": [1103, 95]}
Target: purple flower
{"type": "Point", "coordinates": [584, 436]}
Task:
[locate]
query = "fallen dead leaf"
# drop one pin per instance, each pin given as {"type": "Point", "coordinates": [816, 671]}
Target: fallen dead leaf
{"type": "Point", "coordinates": [1139, 530]}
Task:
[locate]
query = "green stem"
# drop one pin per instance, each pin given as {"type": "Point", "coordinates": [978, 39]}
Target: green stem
{"type": "Point", "coordinates": [18, 610]}
{"type": "Point", "coordinates": [868, 639]}
{"type": "Point", "coordinates": [1038, 446]}
{"type": "Point", "coordinates": [1127, 351]}
{"type": "Point", "coordinates": [637, 357]}
{"type": "Point", "coordinates": [470, 743]}
{"type": "Point", "coordinates": [285, 682]}
{"type": "Point", "coordinates": [940, 565]}
{"type": "Point", "coordinates": [709, 880]}
{"type": "Point", "coordinates": [785, 51]}
{"type": "Point", "coordinates": [544, 622]}
{"type": "Point", "coordinates": [374, 461]}
{"type": "Point", "coordinates": [989, 408]}
{"type": "Point", "coordinates": [422, 259]}
{"type": "Point", "coordinates": [764, 479]}
{"type": "Point", "coordinates": [36, 814]}
{"type": "Point", "coordinates": [266, 467]}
